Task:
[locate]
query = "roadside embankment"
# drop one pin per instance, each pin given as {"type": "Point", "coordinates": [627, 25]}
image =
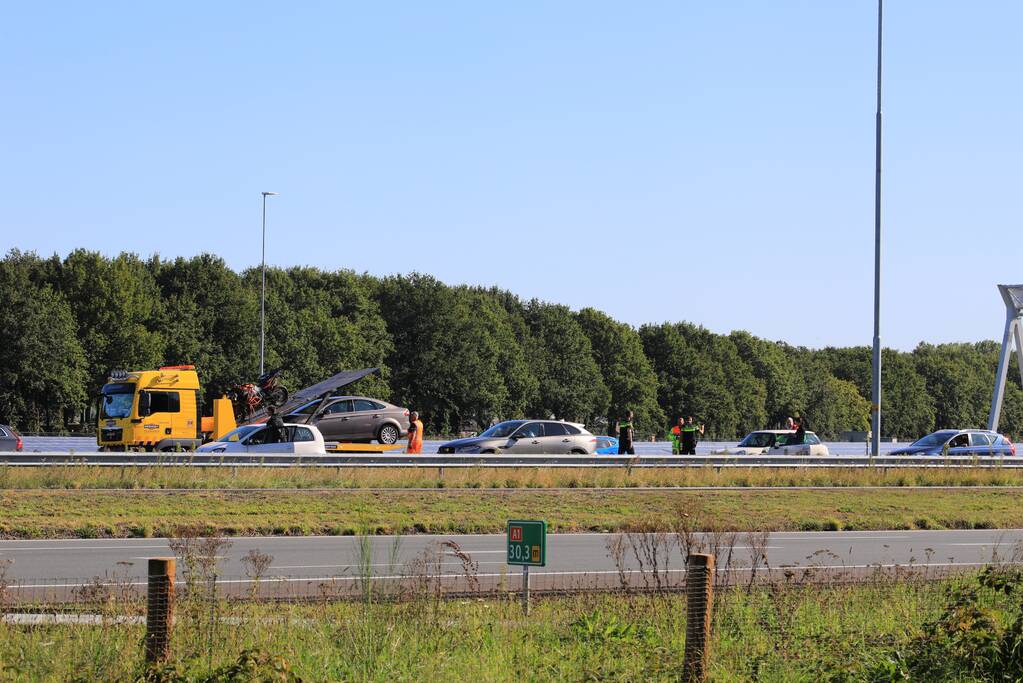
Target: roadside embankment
{"type": "Point", "coordinates": [228, 477]}
{"type": "Point", "coordinates": [67, 513]}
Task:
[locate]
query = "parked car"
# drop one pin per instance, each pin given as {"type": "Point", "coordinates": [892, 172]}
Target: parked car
{"type": "Point", "coordinates": [777, 442]}
{"type": "Point", "coordinates": [960, 442]}
{"type": "Point", "coordinates": [353, 418]}
{"type": "Point", "coordinates": [10, 440]}
{"type": "Point", "coordinates": [607, 445]}
{"type": "Point", "coordinates": [299, 439]}
{"type": "Point", "coordinates": [527, 436]}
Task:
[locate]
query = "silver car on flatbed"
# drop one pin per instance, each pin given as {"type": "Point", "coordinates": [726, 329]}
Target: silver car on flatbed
{"type": "Point", "coordinates": [353, 418]}
{"type": "Point", "coordinates": [526, 436]}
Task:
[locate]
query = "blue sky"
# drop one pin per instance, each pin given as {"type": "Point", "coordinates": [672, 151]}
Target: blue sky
{"type": "Point", "coordinates": [711, 162]}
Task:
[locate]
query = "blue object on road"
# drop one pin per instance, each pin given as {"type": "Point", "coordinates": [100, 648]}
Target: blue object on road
{"type": "Point", "coordinates": [607, 445]}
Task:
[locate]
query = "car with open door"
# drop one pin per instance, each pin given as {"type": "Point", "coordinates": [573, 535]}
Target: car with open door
{"type": "Point", "coordinates": [960, 442]}
{"type": "Point", "coordinates": [298, 439]}
{"type": "Point", "coordinates": [777, 442]}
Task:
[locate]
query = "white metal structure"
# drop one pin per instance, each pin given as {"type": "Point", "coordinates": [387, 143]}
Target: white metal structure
{"type": "Point", "coordinates": [1013, 296]}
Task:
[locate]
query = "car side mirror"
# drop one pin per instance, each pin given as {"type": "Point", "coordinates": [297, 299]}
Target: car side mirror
{"type": "Point", "coordinates": [145, 404]}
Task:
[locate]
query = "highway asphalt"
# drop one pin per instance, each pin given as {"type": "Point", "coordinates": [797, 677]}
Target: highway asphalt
{"type": "Point", "coordinates": [87, 444]}
{"type": "Point", "coordinates": [573, 560]}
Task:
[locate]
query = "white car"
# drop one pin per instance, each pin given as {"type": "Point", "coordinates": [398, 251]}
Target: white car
{"type": "Point", "coordinates": [775, 442]}
{"type": "Point", "coordinates": [299, 439]}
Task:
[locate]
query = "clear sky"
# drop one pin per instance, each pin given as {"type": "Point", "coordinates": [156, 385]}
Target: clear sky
{"type": "Point", "coordinates": [711, 162]}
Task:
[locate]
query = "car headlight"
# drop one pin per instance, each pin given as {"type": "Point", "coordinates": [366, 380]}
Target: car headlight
{"type": "Point", "coordinates": [218, 450]}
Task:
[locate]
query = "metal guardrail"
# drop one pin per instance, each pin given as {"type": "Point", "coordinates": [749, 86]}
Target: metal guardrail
{"type": "Point", "coordinates": [37, 459]}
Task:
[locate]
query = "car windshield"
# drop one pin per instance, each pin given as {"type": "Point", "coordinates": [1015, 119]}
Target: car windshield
{"type": "Point", "coordinates": [239, 434]}
{"type": "Point", "coordinates": [502, 429]}
{"type": "Point", "coordinates": [117, 399]}
{"type": "Point", "coordinates": [937, 438]}
{"type": "Point", "coordinates": [758, 440]}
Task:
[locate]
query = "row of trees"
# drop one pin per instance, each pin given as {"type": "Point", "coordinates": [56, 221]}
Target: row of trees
{"type": "Point", "coordinates": [462, 356]}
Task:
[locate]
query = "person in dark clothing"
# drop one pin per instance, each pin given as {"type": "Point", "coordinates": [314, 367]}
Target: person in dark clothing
{"type": "Point", "coordinates": [800, 435]}
{"type": "Point", "coordinates": [691, 433]}
{"type": "Point", "coordinates": [625, 436]}
{"type": "Point", "coordinates": [274, 427]}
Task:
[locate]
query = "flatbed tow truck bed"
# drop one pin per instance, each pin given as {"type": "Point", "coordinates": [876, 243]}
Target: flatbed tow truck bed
{"type": "Point", "coordinates": [364, 447]}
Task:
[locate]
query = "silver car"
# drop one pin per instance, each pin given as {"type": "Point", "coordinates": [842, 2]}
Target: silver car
{"type": "Point", "coordinates": [527, 436]}
{"type": "Point", "coordinates": [353, 418]}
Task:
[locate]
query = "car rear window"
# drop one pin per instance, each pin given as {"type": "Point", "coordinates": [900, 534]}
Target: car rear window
{"type": "Point", "coordinates": [980, 439]}
{"type": "Point", "coordinates": [554, 429]}
{"type": "Point", "coordinates": [3, 432]}
{"type": "Point", "coordinates": [363, 404]}
{"type": "Point", "coordinates": [572, 429]}
{"type": "Point", "coordinates": [303, 434]}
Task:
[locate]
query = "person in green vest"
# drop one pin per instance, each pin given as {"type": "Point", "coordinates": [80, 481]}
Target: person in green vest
{"type": "Point", "coordinates": [626, 432]}
{"type": "Point", "coordinates": [691, 432]}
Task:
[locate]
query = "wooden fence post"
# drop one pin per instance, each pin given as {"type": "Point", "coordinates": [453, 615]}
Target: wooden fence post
{"type": "Point", "coordinates": [699, 599]}
{"type": "Point", "coordinates": [159, 608]}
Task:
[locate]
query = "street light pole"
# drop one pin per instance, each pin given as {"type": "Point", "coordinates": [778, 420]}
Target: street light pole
{"type": "Point", "coordinates": [875, 414]}
{"type": "Point", "coordinates": [262, 291]}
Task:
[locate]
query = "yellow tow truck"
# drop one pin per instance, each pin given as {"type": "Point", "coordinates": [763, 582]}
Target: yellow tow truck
{"type": "Point", "coordinates": [161, 410]}
{"type": "Point", "coordinates": [158, 410]}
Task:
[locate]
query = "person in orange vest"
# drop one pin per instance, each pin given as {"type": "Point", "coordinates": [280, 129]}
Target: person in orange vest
{"type": "Point", "coordinates": [675, 436]}
{"type": "Point", "coordinates": [415, 434]}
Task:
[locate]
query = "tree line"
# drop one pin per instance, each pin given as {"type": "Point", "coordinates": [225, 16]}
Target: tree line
{"type": "Point", "coordinates": [462, 356]}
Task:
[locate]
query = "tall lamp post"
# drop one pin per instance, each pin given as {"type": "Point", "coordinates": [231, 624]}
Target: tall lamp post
{"type": "Point", "coordinates": [262, 292]}
{"type": "Point", "coordinates": [875, 414]}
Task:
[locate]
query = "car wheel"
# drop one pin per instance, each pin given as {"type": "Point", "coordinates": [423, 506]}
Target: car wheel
{"type": "Point", "coordinates": [488, 452]}
{"type": "Point", "coordinates": [388, 434]}
{"type": "Point", "coordinates": [578, 451]}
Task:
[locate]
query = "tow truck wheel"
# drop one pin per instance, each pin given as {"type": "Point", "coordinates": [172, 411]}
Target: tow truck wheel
{"type": "Point", "coordinates": [388, 434]}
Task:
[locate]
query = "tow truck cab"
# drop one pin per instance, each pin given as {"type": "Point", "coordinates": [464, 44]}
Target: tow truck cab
{"type": "Point", "coordinates": [156, 410]}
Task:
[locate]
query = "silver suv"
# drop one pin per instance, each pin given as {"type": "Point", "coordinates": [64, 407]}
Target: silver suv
{"type": "Point", "coordinates": [353, 418]}
{"type": "Point", "coordinates": [527, 436]}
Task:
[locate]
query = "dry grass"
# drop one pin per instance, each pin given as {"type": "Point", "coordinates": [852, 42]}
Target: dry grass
{"type": "Point", "coordinates": [89, 514]}
{"type": "Point", "coordinates": [226, 477]}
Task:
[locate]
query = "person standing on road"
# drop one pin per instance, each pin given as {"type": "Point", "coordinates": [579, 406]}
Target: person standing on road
{"type": "Point", "coordinates": [675, 435]}
{"type": "Point", "coordinates": [626, 432]}
{"type": "Point", "coordinates": [274, 426]}
{"type": "Point", "coordinates": [415, 434]}
{"type": "Point", "coordinates": [691, 433]}
{"type": "Point", "coordinates": [800, 435]}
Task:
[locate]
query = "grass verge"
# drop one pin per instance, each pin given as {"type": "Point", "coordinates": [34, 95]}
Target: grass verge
{"type": "Point", "coordinates": [90, 514]}
{"type": "Point", "coordinates": [85, 477]}
{"type": "Point", "coordinates": [775, 633]}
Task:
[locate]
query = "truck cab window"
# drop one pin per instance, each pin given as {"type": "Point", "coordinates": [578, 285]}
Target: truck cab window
{"type": "Point", "coordinates": [164, 402]}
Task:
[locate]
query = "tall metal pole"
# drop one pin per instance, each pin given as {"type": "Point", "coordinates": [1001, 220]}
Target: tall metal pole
{"type": "Point", "coordinates": [875, 426]}
{"type": "Point", "coordinates": [262, 292]}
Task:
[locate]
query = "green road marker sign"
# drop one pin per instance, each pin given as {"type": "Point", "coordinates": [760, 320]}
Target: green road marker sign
{"type": "Point", "coordinates": [527, 547]}
{"type": "Point", "coordinates": [527, 543]}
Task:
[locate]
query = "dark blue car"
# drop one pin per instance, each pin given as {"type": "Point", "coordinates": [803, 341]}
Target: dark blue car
{"type": "Point", "coordinates": [960, 442]}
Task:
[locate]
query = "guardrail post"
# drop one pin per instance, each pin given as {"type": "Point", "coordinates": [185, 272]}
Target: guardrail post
{"type": "Point", "coordinates": [159, 608]}
{"type": "Point", "coordinates": [699, 598]}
